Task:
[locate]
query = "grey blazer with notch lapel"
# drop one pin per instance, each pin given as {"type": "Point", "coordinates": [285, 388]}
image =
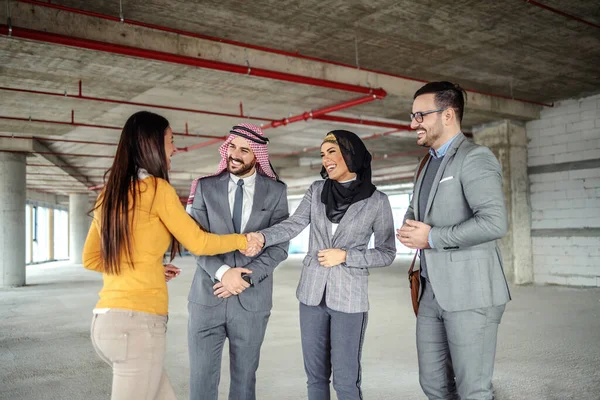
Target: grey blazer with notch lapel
{"type": "Point", "coordinates": [211, 210]}
{"type": "Point", "coordinates": [467, 213]}
{"type": "Point", "coordinates": [346, 283]}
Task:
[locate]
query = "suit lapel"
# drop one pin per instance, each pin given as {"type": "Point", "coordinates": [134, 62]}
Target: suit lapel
{"type": "Point", "coordinates": [261, 191]}
{"type": "Point", "coordinates": [449, 154]}
{"type": "Point", "coordinates": [222, 192]}
{"type": "Point", "coordinates": [350, 214]}
{"type": "Point", "coordinates": [321, 219]}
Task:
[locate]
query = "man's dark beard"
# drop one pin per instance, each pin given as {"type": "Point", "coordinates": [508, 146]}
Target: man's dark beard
{"type": "Point", "coordinates": [245, 168]}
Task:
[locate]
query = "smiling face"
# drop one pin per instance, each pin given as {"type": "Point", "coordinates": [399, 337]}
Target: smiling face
{"type": "Point", "coordinates": [240, 158]}
{"type": "Point", "coordinates": [431, 129]}
{"type": "Point", "coordinates": [334, 163]}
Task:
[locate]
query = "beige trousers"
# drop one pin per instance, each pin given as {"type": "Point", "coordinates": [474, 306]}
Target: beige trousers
{"type": "Point", "coordinates": [133, 344]}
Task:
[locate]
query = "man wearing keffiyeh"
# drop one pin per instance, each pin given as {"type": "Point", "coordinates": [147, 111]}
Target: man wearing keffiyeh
{"type": "Point", "coordinates": [231, 295]}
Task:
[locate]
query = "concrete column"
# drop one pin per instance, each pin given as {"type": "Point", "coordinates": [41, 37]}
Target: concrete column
{"type": "Point", "coordinates": [12, 219]}
{"type": "Point", "coordinates": [508, 141]}
{"type": "Point", "coordinates": [79, 224]}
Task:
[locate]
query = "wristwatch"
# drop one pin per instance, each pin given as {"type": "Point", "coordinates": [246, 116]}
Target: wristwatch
{"type": "Point", "coordinates": [248, 279]}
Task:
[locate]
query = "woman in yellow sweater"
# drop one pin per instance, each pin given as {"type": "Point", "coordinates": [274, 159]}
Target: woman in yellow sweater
{"type": "Point", "coordinates": [137, 216]}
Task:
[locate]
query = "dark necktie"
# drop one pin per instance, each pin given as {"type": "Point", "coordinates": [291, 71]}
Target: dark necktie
{"type": "Point", "coordinates": [237, 206]}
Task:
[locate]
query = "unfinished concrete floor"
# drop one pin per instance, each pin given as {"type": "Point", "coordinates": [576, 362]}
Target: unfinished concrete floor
{"type": "Point", "coordinates": [549, 340]}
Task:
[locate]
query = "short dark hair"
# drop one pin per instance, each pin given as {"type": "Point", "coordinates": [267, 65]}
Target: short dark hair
{"type": "Point", "coordinates": [447, 95]}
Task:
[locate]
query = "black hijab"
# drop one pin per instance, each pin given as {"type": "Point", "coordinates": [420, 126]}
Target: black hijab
{"type": "Point", "coordinates": [339, 197]}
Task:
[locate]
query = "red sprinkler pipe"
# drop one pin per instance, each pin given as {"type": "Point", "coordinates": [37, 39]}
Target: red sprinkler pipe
{"type": "Point", "coordinates": [199, 145]}
{"type": "Point", "coordinates": [360, 121]}
{"type": "Point", "coordinates": [57, 140]}
{"type": "Point", "coordinates": [332, 118]}
{"type": "Point", "coordinates": [62, 175]}
{"type": "Point", "coordinates": [309, 149]}
{"type": "Point", "coordinates": [80, 96]}
{"type": "Point", "coordinates": [53, 38]}
{"type": "Point", "coordinates": [95, 168]}
{"type": "Point", "coordinates": [250, 46]}
{"type": "Point", "coordinates": [311, 114]}
{"type": "Point", "coordinates": [564, 14]}
{"type": "Point", "coordinates": [79, 124]}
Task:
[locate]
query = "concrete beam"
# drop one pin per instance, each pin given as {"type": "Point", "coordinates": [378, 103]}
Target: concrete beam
{"type": "Point", "coordinates": [35, 146]}
{"type": "Point", "coordinates": [74, 173]}
{"type": "Point", "coordinates": [110, 32]}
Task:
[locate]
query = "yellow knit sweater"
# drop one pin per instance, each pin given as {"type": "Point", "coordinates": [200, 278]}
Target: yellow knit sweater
{"type": "Point", "coordinates": [159, 214]}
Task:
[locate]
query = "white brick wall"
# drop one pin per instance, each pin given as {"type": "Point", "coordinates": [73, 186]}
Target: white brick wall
{"type": "Point", "coordinates": [569, 199]}
{"type": "Point", "coordinates": [570, 131]}
{"type": "Point", "coordinates": [567, 260]}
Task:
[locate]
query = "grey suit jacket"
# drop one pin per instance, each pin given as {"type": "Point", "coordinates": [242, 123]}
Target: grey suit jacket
{"type": "Point", "coordinates": [467, 214]}
{"type": "Point", "coordinates": [211, 210]}
{"type": "Point", "coordinates": [346, 283]}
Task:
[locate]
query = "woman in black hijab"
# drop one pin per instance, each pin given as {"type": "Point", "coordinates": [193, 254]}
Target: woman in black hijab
{"type": "Point", "coordinates": [344, 210]}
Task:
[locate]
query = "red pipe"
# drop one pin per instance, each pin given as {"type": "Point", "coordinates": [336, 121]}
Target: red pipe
{"type": "Point", "coordinates": [43, 180]}
{"type": "Point", "coordinates": [332, 118]}
{"type": "Point", "coordinates": [182, 60]}
{"type": "Point", "coordinates": [311, 114]}
{"type": "Point", "coordinates": [360, 121]}
{"type": "Point", "coordinates": [78, 124]}
{"type": "Point", "coordinates": [52, 153]}
{"type": "Point", "coordinates": [564, 14]}
{"type": "Point", "coordinates": [251, 46]}
{"type": "Point", "coordinates": [128, 103]}
{"type": "Point", "coordinates": [43, 191]}
{"type": "Point", "coordinates": [306, 150]}
{"type": "Point", "coordinates": [57, 140]}
{"type": "Point", "coordinates": [199, 145]}
{"type": "Point", "coordinates": [66, 176]}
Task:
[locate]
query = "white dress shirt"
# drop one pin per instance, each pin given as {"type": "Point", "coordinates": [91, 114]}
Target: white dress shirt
{"type": "Point", "coordinates": [249, 186]}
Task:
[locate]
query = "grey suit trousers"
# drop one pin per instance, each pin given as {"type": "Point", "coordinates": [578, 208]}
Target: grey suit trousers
{"type": "Point", "coordinates": [456, 350]}
{"type": "Point", "coordinates": [207, 330]}
{"type": "Point", "coordinates": [332, 342]}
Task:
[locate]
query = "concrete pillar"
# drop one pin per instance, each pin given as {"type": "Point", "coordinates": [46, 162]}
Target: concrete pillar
{"type": "Point", "coordinates": [508, 141]}
{"type": "Point", "coordinates": [12, 219]}
{"type": "Point", "coordinates": [79, 224]}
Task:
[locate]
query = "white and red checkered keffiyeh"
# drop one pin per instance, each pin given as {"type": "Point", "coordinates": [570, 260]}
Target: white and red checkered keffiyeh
{"type": "Point", "coordinates": [258, 143]}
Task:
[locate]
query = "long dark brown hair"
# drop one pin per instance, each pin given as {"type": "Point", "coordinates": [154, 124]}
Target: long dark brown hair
{"type": "Point", "coordinates": [142, 146]}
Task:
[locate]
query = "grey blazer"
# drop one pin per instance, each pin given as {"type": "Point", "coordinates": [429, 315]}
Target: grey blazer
{"type": "Point", "coordinates": [467, 213]}
{"type": "Point", "coordinates": [346, 283]}
{"type": "Point", "coordinates": [211, 210]}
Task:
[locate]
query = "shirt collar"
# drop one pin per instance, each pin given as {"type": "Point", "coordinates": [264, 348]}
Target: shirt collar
{"type": "Point", "coordinates": [248, 181]}
{"type": "Point", "coordinates": [441, 152]}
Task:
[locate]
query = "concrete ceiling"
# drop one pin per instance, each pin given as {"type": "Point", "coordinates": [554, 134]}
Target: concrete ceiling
{"type": "Point", "coordinates": [505, 48]}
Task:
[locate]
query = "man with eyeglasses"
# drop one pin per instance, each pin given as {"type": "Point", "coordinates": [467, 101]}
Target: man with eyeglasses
{"type": "Point", "coordinates": [456, 215]}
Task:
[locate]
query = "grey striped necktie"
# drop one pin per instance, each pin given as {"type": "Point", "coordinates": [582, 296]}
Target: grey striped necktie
{"type": "Point", "coordinates": [237, 206]}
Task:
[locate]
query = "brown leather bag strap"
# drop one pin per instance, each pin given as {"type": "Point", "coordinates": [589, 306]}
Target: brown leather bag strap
{"type": "Point", "coordinates": [412, 266]}
{"type": "Point", "coordinates": [421, 165]}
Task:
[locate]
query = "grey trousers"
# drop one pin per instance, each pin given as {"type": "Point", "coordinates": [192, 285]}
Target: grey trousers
{"type": "Point", "coordinates": [332, 341]}
{"type": "Point", "coordinates": [207, 329]}
{"type": "Point", "coordinates": [456, 350]}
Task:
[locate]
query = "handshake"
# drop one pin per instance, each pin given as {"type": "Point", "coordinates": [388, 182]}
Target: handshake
{"type": "Point", "coordinates": [256, 242]}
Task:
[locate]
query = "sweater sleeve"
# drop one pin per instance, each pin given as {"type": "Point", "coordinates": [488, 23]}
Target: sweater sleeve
{"type": "Point", "coordinates": [92, 259]}
{"type": "Point", "coordinates": [187, 231]}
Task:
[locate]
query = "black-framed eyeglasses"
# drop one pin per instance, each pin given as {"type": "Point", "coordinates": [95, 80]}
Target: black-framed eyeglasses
{"type": "Point", "coordinates": [418, 116]}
